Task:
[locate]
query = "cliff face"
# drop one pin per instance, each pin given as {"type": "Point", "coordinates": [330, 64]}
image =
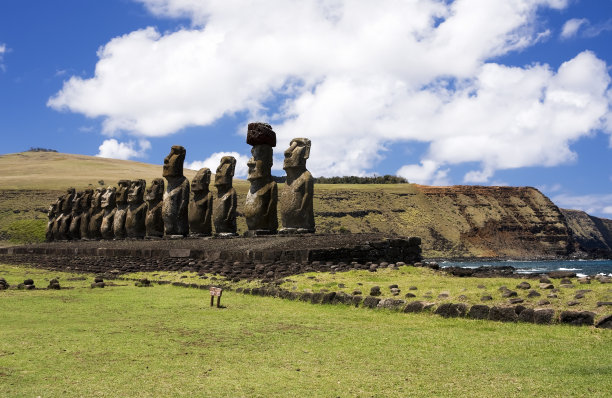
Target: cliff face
{"type": "Point", "coordinates": [457, 221]}
{"type": "Point", "coordinates": [592, 235]}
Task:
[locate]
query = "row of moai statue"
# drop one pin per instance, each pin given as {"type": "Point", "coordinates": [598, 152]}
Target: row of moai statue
{"type": "Point", "coordinates": [178, 209]}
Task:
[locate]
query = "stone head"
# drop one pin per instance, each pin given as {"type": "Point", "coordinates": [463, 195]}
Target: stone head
{"type": "Point", "coordinates": [136, 191]}
{"type": "Point", "coordinates": [86, 199]}
{"type": "Point", "coordinates": [297, 153]}
{"type": "Point", "coordinates": [76, 202]}
{"type": "Point", "coordinates": [173, 163]}
{"type": "Point", "coordinates": [260, 163]}
{"type": "Point", "coordinates": [108, 198]}
{"type": "Point", "coordinates": [122, 191]}
{"type": "Point", "coordinates": [201, 180]}
{"type": "Point", "coordinates": [225, 171]}
{"type": "Point", "coordinates": [67, 201]}
{"type": "Point", "coordinates": [96, 200]}
{"type": "Point", "coordinates": [155, 191]}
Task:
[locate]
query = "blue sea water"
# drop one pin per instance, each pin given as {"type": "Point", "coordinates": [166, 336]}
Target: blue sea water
{"type": "Point", "coordinates": [580, 267]}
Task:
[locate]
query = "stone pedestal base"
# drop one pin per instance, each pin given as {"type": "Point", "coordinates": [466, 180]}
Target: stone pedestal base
{"type": "Point", "coordinates": [173, 237]}
{"type": "Point", "coordinates": [259, 232]}
{"type": "Point", "coordinates": [293, 231]}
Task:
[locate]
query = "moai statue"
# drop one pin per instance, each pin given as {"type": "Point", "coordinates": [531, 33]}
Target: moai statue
{"type": "Point", "coordinates": [59, 204]}
{"type": "Point", "coordinates": [262, 198]}
{"type": "Point", "coordinates": [66, 216]}
{"type": "Point", "coordinates": [121, 204]}
{"type": "Point", "coordinates": [76, 217]}
{"type": "Point", "coordinates": [224, 209]}
{"type": "Point", "coordinates": [86, 212]}
{"type": "Point", "coordinates": [137, 210]}
{"type": "Point", "coordinates": [176, 197]}
{"type": "Point", "coordinates": [51, 215]}
{"type": "Point", "coordinates": [297, 214]}
{"type": "Point", "coordinates": [96, 215]}
{"type": "Point", "coordinates": [154, 222]}
{"type": "Point", "coordinates": [201, 204]}
{"type": "Point", "coordinates": [108, 204]}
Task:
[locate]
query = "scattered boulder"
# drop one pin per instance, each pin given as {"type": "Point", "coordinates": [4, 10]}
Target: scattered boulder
{"type": "Point", "coordinates": [545, 279]}
{"type": "Point", "coordinates": [579, 296]}
{"type": "Point", "coordinates": [573, 303]}
{"type": "Point", "coordinates": [523, 285]}
{"type": "Point", "coordinates": [341, 285]}
{"type": "Point", "coordinates": [546, 286]}
{"type": "Point", "coordinates": [603, 278]}
{"type": "Point", "coordinates": [356, 293]}
{"type": "Point", "coordinates": [28, 282]}
{"type": "Point", "coordinates": [503, 314]}
{"type": "Point", "coordinates": [395, 291]}
{"type": "Point", "coordinates": [481, 286]}
{"type": "Point", "coordinates": [4, 284]}
{"type": "Point", "coordinates": [391, 304]}
{"type": "Point", "coordinates": [409, 295]}
{"type": "Point", "coordinates": [604, 303]}
{"type": "Point", "coordinates": [450, 310]}
{"type": "Point", "coordinates": [444, 295]}
{"type": "Point", "coordinates": [143, 283]}
{"type": "Point", "coordinates": [552, 295]}
{"type": "Point", "coordinates": [486, 298]}
{"type": "Point", "coordinates": [516, 300]}
{"type": "Point", "coordinates": [98, 279]}
{"type": "Point", "coordinates": [97, 285]}
{"type": "Point", "coordinates": [577, 318]}
{"type": "Point", "coordinates": [54, 285]}
{"type": "Point", "coordinates": [527, 315]}
{"type": "Point", "coordinates": [533, 293]}
{"type": "Point", "coordinates": [561, 274]}
{"type": "Point", "coordinates": [393, 286]}
{"type": "Point", "coordinates": [413, 288]}
{"type": "Point", "coordinates": [605, 322]}
{"type": "Point", "coordinates": [566, 281]}
{"type": "Point", "coordinates": [479, 311]}
{"type": "Point", "coordinates": [543, 316]}
{"type": "Point", "coordinates": [584, 281]}
{"type": "Point", "coordinates": [375, 291]}
{"type": "Point", "coordinates": [371, 302]}
{"type": "Point", "coordinates": [509, 293]}
{"type": "Point", "coordinates": [543, 302]}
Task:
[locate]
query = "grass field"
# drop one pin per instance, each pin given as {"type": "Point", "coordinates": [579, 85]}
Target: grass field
{"type": "Point", "coordinates": [167, 341]}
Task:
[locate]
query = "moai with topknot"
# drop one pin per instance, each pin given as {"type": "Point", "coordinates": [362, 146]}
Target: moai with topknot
{"type": "Point", "coordinates": [297, 214]}
{"type": "Point", "coordinates": [137, 210]}
{"type": "Point", "coordinates": [108, 204]}
{"type": "Point", "coordinates": [201, 204]}
{"type": "Point", "coordinates": [154, 223]}
{"type": "Point", "coordinates": [96, 215]}
{"type": "Point", "coordinates": [262, 198]}
{"type": "Point", "coordinates": [224, 207]}
{"type": "Point", "coordinates": [121, 204]}
{"type": "Point", "coordinates": [176, 196]}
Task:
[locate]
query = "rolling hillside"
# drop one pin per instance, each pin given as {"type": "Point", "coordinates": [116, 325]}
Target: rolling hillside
{"type": "Point", "coordinates": [457, 221]}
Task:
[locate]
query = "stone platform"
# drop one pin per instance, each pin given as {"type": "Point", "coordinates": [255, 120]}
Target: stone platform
{"type": "Point", "coordinates": [265, 256]}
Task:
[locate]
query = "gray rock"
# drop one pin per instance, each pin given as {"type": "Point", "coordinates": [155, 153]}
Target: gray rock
{"type": "Point", "coordinates": [543, 316]}
{"type": "Point", "coordinates": [527, 315]}
{"type": "Point", "coordinates": [543, 302]}
{"type": "Point", "coordinates": [486, 298]}
{"type": "Point", "coordinates": [479, 311]}
{"type": "Point", "coordinates": [605, 322]}
{"type": "Point", "coordinates": [509, 293]}
{"type": "Point", "coordinates": [371, 302]}
{"type": "Point", "coordinates": [409, 295]}
{"type": "Point", "coordinates": [577, 318]}
{"type": "Point", "coordinates": [375, 291]}
{"type": "Point", "coordinates": [546, 286]}
{"type": "Point", "coordinates": [523, 285]}
{"type": "Point", "coordinates": [391, 304]}
{"type": "Point", "coordinates": [533, 293]}
{"type": "Point", "coordinates": [450, 310]}
{"type": "Point", "coordinates": [414, 306]}
{"type": "Point", "coordinates": [503, 314]}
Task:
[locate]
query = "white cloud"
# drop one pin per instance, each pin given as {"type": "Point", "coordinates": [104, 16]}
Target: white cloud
{"type": "Point", "coordinates": [123, 150]}
{"type": "Point", "coordinates": [356, 77]}
{"type": "Point", "coordinates": [3, 50]}
{"type": "Point", "coordinates": [571, 27]}
{"type": "Point", "coordinates": [592, 204]}
{"type": "Point", "coordinates": [212, 162]}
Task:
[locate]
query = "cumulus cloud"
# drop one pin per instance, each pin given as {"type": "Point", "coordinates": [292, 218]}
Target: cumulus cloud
{"type": "Point", "coordinates": [592, 204]}
{"type": "Point", "coordinates": [123, 150]}
{"type": "Point", "coordinates": [571, 27]}
{"type": "Point", "coordinates": [2, 52]}
{"type": "Point", "coordinates": [355, 77]}
{"type": "Point", "coordinates": [212, 162]}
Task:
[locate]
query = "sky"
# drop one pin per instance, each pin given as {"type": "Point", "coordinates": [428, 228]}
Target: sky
{"type": "Point", "coordinates": [441, 92]}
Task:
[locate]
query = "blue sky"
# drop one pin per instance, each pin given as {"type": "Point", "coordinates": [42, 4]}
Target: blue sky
{"type": "Point", "coordinates": [508, 92]}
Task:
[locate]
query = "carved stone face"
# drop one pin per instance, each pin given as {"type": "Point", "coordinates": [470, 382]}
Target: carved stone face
{"type": "Point", "coordinates": [173, 163]}
{"type": "Point", "coordinates": [96, 200]}
{"type": "Point", "coordinates": [225, 171]}
{"type": "Point", "coordinates": [136, 192]}
{"type": "Point", "coordinates": [86, 199]}
{"type": "Point", "coordinates": [297, 153]}
{"type": "Point", "coordinates": [122, 191]}
{"type": "Point", "coordinates": [260, 164]}
{"type": "Point", "coordinates": [201, 180]}
{"type": "Point", "coordinates": [155, 191]}
{"type": "Point", "coordinates": [67, 201]}
{"type": "Point", "coordinates": [108, 198]}
{"type": "Point", "coordinates": [76, 202]}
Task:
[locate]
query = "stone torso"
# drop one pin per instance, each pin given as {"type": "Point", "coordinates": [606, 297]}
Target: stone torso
{"type": "Point", "coordinates": [154, 224]}
{"type": "Point", "coordinates": [224, 212]}
{"type": "Point", "coordinates": [106, 229]}
{"type": "Point", "coordinates": [135, 223]}
{"type": "Point", "coordinates": [175, 207]}
{"type": "Point", "coordinates": [260, 208]}
{"type": "Point", "coordinates": [200, 214]}
{"type": "Point", "coordinates": [296, 206]}
{"type": "Point", "coordinates": [119, 227]}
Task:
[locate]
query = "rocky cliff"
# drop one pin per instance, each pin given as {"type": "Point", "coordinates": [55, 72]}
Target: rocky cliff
{"type": "Point", "coordinates": [456, 221]}
{"type": "Point", "coordinates": [592, 235]}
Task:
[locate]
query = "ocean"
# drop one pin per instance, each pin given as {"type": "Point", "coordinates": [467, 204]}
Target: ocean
{"type": "Point", "coordinates": [580, 267]}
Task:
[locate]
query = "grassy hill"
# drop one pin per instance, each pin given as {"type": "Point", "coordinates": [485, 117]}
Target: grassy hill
{"type": "Point", "coordinates": [453, 221]}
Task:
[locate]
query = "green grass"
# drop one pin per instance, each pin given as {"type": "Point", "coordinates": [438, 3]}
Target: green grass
{"type": "Point", "coordinates": [166, 340]}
